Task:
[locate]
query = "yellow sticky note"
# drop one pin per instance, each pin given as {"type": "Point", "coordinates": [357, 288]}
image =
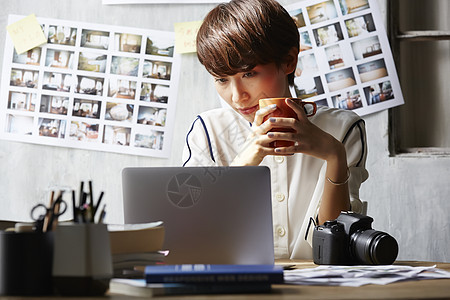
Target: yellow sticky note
{"type": "Point", "coordinates": [26, 34]}
{"type": "Point", "coordinates": [185, 36]}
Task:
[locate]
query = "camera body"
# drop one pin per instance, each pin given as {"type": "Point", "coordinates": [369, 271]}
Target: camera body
{"type": "Point", "coordinates": [350, 240]}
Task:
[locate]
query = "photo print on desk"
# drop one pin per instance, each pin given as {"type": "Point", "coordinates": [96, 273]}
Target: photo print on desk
{"type": "Point", "coordinates": [92, 86]}
{"type": "Point", "coordinates": [345, 59]}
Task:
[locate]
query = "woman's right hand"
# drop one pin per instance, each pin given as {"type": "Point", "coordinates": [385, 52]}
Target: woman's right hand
{"type": "Point", "coordinates": [256, 146]}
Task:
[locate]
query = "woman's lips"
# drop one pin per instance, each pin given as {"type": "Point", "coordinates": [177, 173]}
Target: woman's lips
{"type": "Point", "coordinates": [248, 110]}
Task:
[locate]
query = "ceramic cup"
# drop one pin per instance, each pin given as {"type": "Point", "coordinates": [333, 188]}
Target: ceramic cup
{"type": "Point", "coordinates": [284, 111]}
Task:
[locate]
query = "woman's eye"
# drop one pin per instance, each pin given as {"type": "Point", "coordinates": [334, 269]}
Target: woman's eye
{"type": "Point", "coordinates": [250, 74]}
{"type": "Point", "coordinates": [220, 80]}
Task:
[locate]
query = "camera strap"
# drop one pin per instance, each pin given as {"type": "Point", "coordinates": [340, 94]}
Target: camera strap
{"type": "Point", "coordinates": [311, 220]}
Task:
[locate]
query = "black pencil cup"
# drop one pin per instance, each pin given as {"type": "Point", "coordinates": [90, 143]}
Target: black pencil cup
{"type": "Point", "coordinates": [26, 260]}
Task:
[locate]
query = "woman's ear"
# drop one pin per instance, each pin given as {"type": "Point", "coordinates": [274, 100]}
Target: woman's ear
{"type": "Point", "coordinates": [291, 60]}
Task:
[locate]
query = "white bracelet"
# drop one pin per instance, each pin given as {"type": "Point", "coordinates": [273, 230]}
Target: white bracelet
{"type": "Point", "coordinates": [340, 183]}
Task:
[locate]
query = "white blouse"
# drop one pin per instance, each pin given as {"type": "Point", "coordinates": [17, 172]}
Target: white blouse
{"type": "Point", "coordinates": [217, 136]}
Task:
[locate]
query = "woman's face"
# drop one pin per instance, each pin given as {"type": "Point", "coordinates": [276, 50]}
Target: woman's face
{"type": "Point", "coordinates": [242, 91]}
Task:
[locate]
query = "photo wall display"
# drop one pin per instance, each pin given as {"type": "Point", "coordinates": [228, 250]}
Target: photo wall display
{"type": "Point", "coordinates": [92, 86]}
{"type": "Point", "coordinates": [345, 59]}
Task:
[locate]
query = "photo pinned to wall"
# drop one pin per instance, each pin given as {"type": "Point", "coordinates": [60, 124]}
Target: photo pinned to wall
{"type": "Point", "coordinates": [345, 59]}
{"type": "Point", "coordinates": [92, 86]}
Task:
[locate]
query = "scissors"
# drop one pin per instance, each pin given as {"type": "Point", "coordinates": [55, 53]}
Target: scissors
{"type": "Point", "coordinates": [45, 216]}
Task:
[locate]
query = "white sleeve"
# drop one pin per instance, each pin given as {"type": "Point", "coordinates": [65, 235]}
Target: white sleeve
{"type": "Point", "coordinates": [197, 150]}
{"type": "Point", "coordinates": [356, 148]}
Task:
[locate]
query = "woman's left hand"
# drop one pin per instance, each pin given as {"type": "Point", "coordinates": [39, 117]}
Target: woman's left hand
{"type": "Point", "coordinates": [307, 137]}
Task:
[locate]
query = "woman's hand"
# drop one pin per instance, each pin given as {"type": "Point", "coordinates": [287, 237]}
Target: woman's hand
{"type": "Point", "coordinates": [256, 146]}
{"type": "Point", "coordinates": [311, 140]}
{"type": "Point", "coordinates": [307, 137]}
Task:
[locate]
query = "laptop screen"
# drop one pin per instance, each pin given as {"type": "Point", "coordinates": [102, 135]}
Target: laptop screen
{"type": "Point", "coordinates": [211, 215]}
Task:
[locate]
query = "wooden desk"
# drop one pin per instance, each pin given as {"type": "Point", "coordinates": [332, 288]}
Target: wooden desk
{"type": "Point", "coordinates": [423, 289]}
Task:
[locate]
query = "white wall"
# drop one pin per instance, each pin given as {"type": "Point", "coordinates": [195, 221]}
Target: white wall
{"type": "Point", "coordinates": [407, 195]}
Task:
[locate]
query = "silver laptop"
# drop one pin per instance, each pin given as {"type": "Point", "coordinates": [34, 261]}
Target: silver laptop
{"type": "Point", "coordinates": [212, 215]}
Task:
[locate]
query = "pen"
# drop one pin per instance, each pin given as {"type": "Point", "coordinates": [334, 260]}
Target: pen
{"type": "Point", "coordinates": [102, 214]}
{"type": "Point", "coordinates": [74, 207]}
{"type": "Point", "coordinates": [97, 205]}
{"type": "Point", "coordinates": [91, 203]}
{"type": "Point", "coordinates": [81, 193]}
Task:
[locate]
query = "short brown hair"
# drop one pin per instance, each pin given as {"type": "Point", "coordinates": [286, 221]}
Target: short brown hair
{"type": "Point", "coordinates": [238, 35]}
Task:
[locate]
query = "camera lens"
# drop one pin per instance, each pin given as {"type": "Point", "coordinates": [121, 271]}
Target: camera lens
{"type": "Point", "coordinates": [373, 247]}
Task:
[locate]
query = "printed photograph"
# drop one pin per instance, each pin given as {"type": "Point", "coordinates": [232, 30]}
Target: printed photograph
{"type": "Point", "coordinates": [305, 41]}
{"type": "Point", "coordinates": [31, 57]}
{"type": "Point", "coordinates": [152, 116]}
{"type": "Point", "coordinates": [54, 105]}
{"type": "Point", "coordinates": [89, 85]}
{"type": "Point", "coordinates": [306, 65]}
{"type": "Point", "coordinates": [95, 39]}
{"type": "Point", "coordinates": [160, 46]}
{"type": "Point", "coordinates": [157, 69]}
{"type": "Point", "coordinates": [328, 34]}
{"type": "Point", "coordinates": [352, 6]}
{"type": "Point", "coordinates": [59, 59]}
{"type": "Point", "coordinates": [124, 66]}
{"type": "Point", "coordinates": [341, 79]}
{"type": "Point", "coordinates": [349, 100]}
{"type": "Point", "coordinates": [379, 92]}
{"type": "Point", "coordinates": [297, 16]}
{"type": "Point", "coordinates": [372, 70]}
{"type": "Point", "coordinates": [52, 128]}
{"type": "Point", "coordinates": [120, 112]}
{"type": "Point", "coordinates": [152, 92]}
{"type": "Point", "coordinates": [63, 35]}
{"type": "Point", "coordinates": [86, 108]}
{"type": "Point", "coordinates": [366, 48]}
{"type": "Point", "coordinates": [322, 102]}
{"type": "Point", "coordinates": [154, 140]}
{"type": "Point", "coordinates": [116, 135]}
{"type": "Point", "coordinates": [22, 101]}
{"type": "Point", "coordinates": [126, 42]}
{"type": "Point", "coordinates": [321, 12]}
{"type": "Point", "coordinates": [24, 78]}
{"type": "Point", "coordinates": [121, 88]}
{"type": "Point", "coordinates": [60, 82]}
{"type": "Point", "coordinates": [22, 125]}
{"type": "Point", "coordinates": [307, 86]}
{"type": "Point", "coordinates": [93, 62]}
{"type": "Point", "coordinates": [360, 25]}
{"type": "Point", "coordinates": [83, 132]}
{"type": "Point", "coordinates": [334, 57]}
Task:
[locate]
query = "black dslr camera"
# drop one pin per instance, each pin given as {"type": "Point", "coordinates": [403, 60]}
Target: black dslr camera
{"type": "Point", "coordinates": [350, 240]}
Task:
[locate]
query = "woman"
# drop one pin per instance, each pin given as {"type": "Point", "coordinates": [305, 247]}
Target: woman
{"type": "Point", "coordinates": [250, 47]}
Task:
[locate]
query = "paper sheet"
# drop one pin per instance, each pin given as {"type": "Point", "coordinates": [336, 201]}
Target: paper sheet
{"type": "Point", "coordinates": [361, 275]}
{"type": "Point", "coordinates": [185, 36]}
{"type": "Point", "coordinates": [26, 34]}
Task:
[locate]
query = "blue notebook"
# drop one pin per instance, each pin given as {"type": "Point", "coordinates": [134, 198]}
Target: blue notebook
{"type": "Point", "coordinates": [138, 287]}
{"type": "Point", "coordinates": [225, 274]}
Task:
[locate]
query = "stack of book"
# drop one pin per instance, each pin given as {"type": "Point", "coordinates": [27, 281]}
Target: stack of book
{"type": "Point", "coordinates": [134, 246]}
{"type": "Point", "coordinates": [200, 279]}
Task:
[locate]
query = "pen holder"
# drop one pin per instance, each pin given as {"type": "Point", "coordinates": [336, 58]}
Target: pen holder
{"type": "Point", "coordinates": [82, 263]}
{"type": "Point", "coordinates": [26, 263]}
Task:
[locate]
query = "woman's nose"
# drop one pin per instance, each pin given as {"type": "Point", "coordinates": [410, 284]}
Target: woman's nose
{"type": "Point", "coordinates": [238, 92]}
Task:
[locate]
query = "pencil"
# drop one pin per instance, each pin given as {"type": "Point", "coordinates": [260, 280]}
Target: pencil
{"type": "Point", "coordinates": [49, 212]}
{"type": "Point", "coordinates": [55, 213]}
